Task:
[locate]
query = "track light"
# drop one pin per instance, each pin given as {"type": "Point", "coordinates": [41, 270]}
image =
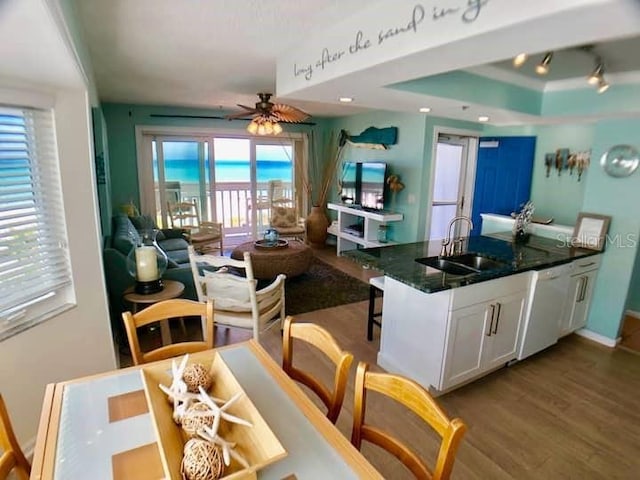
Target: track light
{"type": "Point", "coordinates": [519, 60]}
{"type": "Point", "coordinates": [596, 75]}
{"type": "Point", "coordinates": [543, 67]}
{"type": "Point", "coordinates": [603, 86]}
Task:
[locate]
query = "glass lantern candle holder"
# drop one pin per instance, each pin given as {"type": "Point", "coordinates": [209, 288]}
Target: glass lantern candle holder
{"type": "Point", "coordinates": [147, 262]}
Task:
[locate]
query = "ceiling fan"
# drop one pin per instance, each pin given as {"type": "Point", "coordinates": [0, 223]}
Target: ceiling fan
{"type": "Point", "coordinates": [268, 111]}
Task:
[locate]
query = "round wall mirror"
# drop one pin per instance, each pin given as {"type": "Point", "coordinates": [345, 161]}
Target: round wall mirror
{"type": "Point", "coordinates": [620, 160]}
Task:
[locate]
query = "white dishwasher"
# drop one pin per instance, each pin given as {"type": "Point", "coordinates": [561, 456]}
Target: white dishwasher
{"type": "Point", "coordinates": [549, 291]}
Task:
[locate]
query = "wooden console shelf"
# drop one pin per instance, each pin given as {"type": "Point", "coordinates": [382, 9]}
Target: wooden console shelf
{"type": "Point", "coordinates": [368, 220]}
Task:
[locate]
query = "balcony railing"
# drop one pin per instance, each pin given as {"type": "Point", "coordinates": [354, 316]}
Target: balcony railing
{"type": "Point", "coordinates": [233, 207]}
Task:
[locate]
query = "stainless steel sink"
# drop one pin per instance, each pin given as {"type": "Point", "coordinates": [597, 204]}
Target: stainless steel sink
{"type": "Point", "coordinates": [475, 261]}
{"type": "Point", "coordinates": [466, 264]}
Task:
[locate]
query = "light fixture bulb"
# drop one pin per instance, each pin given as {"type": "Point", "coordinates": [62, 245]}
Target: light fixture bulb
{"type": "Point", "coordinates": [483, 118]}
{"type": "Point", "coordinates": [268, 127]}
{"type": "Point", "coordinates": [543, 67]}
{"type": "Point", "coordinates": [346, 99]}
{"type": "Point", "coordinates": [252, 128]}
{"type": "Point", "coordinates": [596, 75]}
{"type": "Point", "coordinates": [603, 86]}
{"type": "Point", "coordinates": [519, 59]}
{"type": "Point", "coordinates": [261, 130]}
{"type": "Point", "coordinates": [424, 109]}
{"type": "Point", "coordinates": [277, 129]}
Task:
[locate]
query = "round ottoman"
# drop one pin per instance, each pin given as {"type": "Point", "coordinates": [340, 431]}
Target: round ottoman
{"type": "Point", "coordinates": [267, 263]}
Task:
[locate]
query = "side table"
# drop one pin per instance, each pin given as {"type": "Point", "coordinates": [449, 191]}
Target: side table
{"type": "Point", "coordinates": [172, 289]}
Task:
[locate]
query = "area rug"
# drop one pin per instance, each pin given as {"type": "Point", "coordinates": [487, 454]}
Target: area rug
{"type": "Point", "coordinates": [322, 286]}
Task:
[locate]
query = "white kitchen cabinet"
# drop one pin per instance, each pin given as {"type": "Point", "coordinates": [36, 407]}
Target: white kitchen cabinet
{"type": "Point", "coordinates": [482, 337]}
{"type": "Point", "coordinates": [581, 285]}
{"type": "Point", "coordinates": [356, 227]}
{"type": "Point", "coordinates": [446, 338]}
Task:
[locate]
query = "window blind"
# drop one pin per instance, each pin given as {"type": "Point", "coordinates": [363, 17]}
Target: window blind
{"type": "Point", "coordinates": [35, 272]}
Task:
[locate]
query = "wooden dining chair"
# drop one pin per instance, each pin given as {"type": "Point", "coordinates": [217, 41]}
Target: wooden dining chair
{"type": "Point", "coordinates": [417, 399]}
{"type": "Point", "coordinates": [11, 457]}
{"type": "Point", "coordinates": [167, 310]}
{"type": "Point", "coordinates": [324, 341]}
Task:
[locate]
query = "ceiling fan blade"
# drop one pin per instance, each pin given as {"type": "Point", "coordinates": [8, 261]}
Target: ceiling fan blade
{"type": "Point", "coordinates": [233, 116]}
{"type": "Point", "coordinates": [250, 109]}
{"type": "Point", "coordinates": [289, 114]}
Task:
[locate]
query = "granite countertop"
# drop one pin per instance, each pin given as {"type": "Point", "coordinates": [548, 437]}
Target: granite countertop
{"type": "Point", "coordinates": [398, 261]}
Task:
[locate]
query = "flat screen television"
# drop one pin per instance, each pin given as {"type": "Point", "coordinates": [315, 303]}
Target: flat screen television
{"type": "Point", "coordinates": [363, 184]}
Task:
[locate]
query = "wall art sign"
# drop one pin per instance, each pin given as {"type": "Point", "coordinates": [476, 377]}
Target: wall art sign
{"type": "Point", "coordinates": [419, 17]}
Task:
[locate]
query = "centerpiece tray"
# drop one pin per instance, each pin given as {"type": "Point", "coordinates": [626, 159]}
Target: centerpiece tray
{"type": "Point", "coordinates": [267, 245]}
{"type": "Point", "coordinates": [257, 444]}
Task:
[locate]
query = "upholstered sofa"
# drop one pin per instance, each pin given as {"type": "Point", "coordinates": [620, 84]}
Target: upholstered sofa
{"type": "Point", "coordinates": [125, 235]}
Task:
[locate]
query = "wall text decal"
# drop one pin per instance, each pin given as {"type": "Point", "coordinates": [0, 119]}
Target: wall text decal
{"type": "Point", "coordinates": [467, 12]}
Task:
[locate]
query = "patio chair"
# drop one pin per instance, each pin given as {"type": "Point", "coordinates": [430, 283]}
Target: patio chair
{"type": "Point", "coordinates": [232, 287]}
{"type": "Point", "coordinates": [204, 236]}
{"type": "Point", "coordinates": [286, 222]}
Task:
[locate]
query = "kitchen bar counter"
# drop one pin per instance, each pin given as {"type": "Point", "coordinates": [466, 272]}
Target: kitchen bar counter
{"type": "Point", "coordinates": [398, 261]}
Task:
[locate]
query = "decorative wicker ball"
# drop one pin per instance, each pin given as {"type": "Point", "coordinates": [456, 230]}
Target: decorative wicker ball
{"type": "Point", "coordinates": [193, 420]}
{"type": "Point", "coordinates": [196, 375]}
{"type": "Point", "coordinates": [201, 461]}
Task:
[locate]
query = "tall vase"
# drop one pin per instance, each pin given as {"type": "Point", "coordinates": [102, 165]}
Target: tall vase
{"type": "Point", "coordinates": [317, 224]}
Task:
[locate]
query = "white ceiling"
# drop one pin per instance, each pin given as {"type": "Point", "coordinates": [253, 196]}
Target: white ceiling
{"type": "Point", "coordinates": [28, 53]}
{"type": "Point", "coordinates": [217, 53]}
{"type": "Point", "coordinates": [213, 53]}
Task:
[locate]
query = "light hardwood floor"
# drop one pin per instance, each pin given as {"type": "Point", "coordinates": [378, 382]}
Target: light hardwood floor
{"type": "Point", "coordinates": [568, 412]}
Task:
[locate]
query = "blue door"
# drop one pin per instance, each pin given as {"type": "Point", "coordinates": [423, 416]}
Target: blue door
{"type": "Point", "coordinates": [503, 176]}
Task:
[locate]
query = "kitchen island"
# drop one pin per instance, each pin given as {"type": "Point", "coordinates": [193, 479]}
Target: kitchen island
{"type": "Point", "coordinates": [444, 329]}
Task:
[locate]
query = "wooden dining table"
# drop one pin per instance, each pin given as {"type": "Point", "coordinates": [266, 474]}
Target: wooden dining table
{"type": "Point", "coordinates": [99, 427]}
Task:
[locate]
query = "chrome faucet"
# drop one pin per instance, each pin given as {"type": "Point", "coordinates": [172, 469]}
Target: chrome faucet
{"type": "Point", "coordinates": [456, 247]}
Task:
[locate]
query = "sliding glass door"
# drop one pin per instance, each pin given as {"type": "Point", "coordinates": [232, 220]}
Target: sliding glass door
{"type": "Point", "coordinates": [233, 180]}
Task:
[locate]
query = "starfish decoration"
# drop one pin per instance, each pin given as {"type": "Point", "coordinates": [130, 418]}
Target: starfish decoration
{"type": "Point", "coordinates": [228, 448]}
{"type": "Point", "coordinates": [220, 412]}
{"type": "Point", "coordinates": [182, 400]}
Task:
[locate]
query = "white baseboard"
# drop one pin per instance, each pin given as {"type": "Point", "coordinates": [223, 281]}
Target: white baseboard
{"type": "Point", "coordinates": [632, 313]}
{"type": "Point", "coordinates": [596, 337]}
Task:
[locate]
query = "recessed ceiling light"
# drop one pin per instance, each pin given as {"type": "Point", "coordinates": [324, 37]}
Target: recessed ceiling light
{"type": "Point", "coordinates": [346, 99]}
{"type": "Point", "coordinates": [483, 118]}
{"type": "Point", "coordinates": [519, 59]}
{"type": "Point", "coordinates": [425, 109]}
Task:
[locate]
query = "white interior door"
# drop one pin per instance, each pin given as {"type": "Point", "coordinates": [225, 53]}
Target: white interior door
{"type": "Point", "coordinates": [448, 195]}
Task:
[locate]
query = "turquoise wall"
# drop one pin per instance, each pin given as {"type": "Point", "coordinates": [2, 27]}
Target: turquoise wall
{"type": "Point", "coordinates": [468, 87]}
{"type": "Point", "coordinates": [619, 99]}
{"type": "Point", "coordinates": [555, 196]}
{"type": "Point", "coordinates": [618, 197]}
{"type": "Point", "coordinates": [121, 120]}
{"type": "Point", "coordinates": [410, 158]}
{"type": "Point", "coordinates": [404, 159]}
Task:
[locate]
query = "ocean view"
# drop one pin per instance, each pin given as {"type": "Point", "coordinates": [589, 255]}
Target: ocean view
{"type": "Point", "coordinates": [186, 170]}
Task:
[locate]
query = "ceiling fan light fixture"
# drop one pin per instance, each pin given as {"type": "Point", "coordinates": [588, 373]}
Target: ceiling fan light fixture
{"type": "Point", "coordinates": [520, 59]}
{"type": "Point", "coordinates": [543, 67]}
{"type": "Point", "coordinates": [252, 128]}
{"type": "Point", "coordinates": [277, 129]}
